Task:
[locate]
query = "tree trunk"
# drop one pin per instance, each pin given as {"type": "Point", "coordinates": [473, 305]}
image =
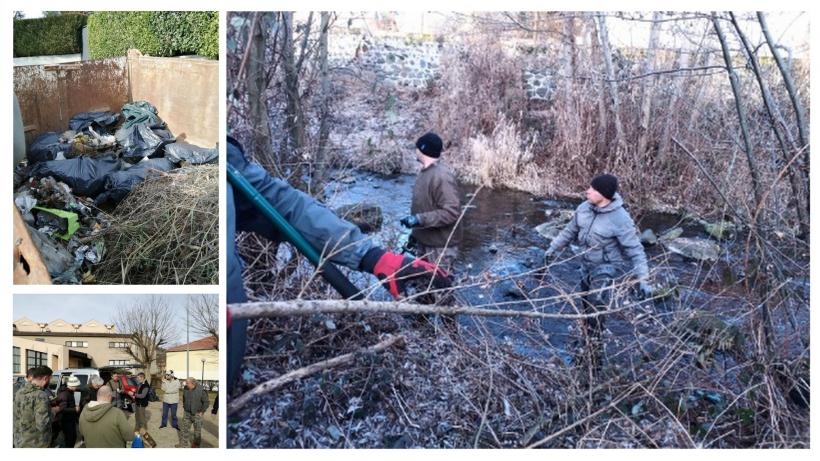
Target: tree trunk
{"type": "Point", "coordinates": [647, 85]}
{"type": "Point", "coordinates": [261, 145]}
{"type": "Point", "coordinates": [773, 112]}
{"type": "Point", "coordinates": [603, 38]}
{"type": "Point", "coordinates": [294, 114]}
{"type": "Point", "coordinates": [672, 113]}
{"type": "Point", "coordinates": [741, 115]}
{"type": "Point", "coordinates": [324, 108]}
{"type": "Point", "coordinates": [802, 127]}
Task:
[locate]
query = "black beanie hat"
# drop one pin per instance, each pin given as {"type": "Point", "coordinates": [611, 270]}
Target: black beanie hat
{"type": "Point", "coordinates": [430, 145]}
{"type": "Point", "coordinates": [606, 185]}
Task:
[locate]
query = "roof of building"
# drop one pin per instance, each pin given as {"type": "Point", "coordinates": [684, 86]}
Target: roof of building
{"type": "Point", "coordinates": [206, 343]}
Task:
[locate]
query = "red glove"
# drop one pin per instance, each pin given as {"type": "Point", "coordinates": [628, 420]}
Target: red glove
{"type": "Point", "coordinates": [228, 309]}
{"type": "Point", "coordinates": [394, 270]}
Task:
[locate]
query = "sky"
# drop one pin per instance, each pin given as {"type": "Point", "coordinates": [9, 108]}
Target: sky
{"type": "Point", "coordinates": [82, 308]}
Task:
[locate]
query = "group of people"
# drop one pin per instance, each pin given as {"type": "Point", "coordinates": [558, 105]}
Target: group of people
{"type": "Point", "coordinates": [99, 417]}
{"type": "Point", "coordinates": [601, 227]}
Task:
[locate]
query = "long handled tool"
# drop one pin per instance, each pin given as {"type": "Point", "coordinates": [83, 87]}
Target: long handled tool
{"type": "Point", "coordinates": [329, 272]}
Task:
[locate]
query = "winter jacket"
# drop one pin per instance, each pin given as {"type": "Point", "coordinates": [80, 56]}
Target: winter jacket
{"type": "Point", "coordinates": [171, 391]}
{"type": "Point", "coordinates": [88, 395]}
{"type": "Point", "coordinates": [320, 226]}
{"type": "Point", "coordinates": [437, 204]}
{"type": "Point", "coordinates": [32, 418]}
{"type": "Point", "coordinates": [65, 402]}
{"type": "Point", "coordinates": [606, 236]}
{"type": "Point", "coordinates": [104, 426]}
{"type": "Point", "coordinates": [142, 394]}
{"type": "Point", "coordinates": [195, 400]}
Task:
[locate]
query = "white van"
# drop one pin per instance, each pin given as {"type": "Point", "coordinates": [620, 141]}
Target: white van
{"type": "Point", "coordinates": [61, 376]}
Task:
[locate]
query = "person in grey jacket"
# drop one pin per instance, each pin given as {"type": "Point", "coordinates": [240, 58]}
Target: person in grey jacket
{"type": "Point", "coordinates": [607, 236]}
{"type": "Point", "coordinates": [194, 404]}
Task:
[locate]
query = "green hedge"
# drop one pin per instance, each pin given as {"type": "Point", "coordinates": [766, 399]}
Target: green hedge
{"type": "Point", "coordinates": [59, 34]}
{"type": "Point", "coordinates": [155, 33]}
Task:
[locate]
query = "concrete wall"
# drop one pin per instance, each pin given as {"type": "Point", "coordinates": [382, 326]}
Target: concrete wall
{"type": "Point", "coordinates": [57, 355]}
{"type": "Point", "coordinates": [50, 94]}
{"type": "Point", "coordinates": [185, 92]}
{"type": "Point", "coordinates": [176, 361]}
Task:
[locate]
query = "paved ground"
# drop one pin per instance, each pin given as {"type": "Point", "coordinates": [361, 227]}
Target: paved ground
{"type": "Point", "coordinates": [167, 437]}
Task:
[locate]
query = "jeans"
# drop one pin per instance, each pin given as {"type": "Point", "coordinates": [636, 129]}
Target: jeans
{"type": "Point", "coordinates": [172, 408]}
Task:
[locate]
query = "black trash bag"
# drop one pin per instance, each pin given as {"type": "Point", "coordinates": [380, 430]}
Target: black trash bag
{"type": "Point", "coordinates": [102, 122]}
{"type": "Point", "coordinates": [46, 147]}
{"type": "Point", "coordinates": [85, 176]}
{"type": "Point", "coordinates": [140, 141]}
{"type": "Point", "coordinates": [120, 183]}
{"type": "Point", "coordinates": [183, 152]}
{"type": "Point", "coordinates": [141, 113]}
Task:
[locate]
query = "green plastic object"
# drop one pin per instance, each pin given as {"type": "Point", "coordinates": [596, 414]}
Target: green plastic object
{"type": "Point", "coordinates": [72, 221]}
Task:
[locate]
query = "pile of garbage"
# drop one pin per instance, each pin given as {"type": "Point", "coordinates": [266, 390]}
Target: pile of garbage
{"type": "Point", "coordinates": [70, 179]}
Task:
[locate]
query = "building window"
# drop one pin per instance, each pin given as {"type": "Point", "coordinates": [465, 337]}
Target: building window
{"type": "Point", "coordinates": [35, 359]}
{"type": "Point", "coordinates": [119, 345]}
{"type": "Point", "coordinates": [16, 359]}
{"type": "Point", "coordinates": [76, 343]}
{"type": "Point", "coordinates": [118, 362]}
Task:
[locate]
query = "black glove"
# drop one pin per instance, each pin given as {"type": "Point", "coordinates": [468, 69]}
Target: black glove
{"type": "Point", "coordinates": [394, 270]}
{"type": "Point", "coordinates": [410, 221]}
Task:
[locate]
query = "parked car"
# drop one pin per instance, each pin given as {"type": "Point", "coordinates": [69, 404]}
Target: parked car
{"type": "Point", "coordinates": [61, 376]}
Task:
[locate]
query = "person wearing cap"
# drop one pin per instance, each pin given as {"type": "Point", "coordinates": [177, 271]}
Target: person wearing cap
{"type": "Point", "coordinates": [435, 207]}
{"type": "Point", "coordinates": [90, 394]}
{"type": "Point", "coordinates": [170, 400]}
{"type": "Point", "coordinates": [340, 241]}
{"type": "Point", "coordinates": [68, 411]}
{"type": "Point", "coordinates": [606, 235]}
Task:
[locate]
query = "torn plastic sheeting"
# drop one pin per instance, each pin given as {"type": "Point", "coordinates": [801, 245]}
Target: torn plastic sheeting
{"type": "Point", "coordinates": [183, 152]}
{"type": "Point", "coordinates": [85, 176]}
{"type": "Point", "coordinates": [120, 183]}
{"type": "Point", "coordinates": [91, 253]}
{"type": "Point", "coordinates": [103, 120]}
{"type": "Point", "coordinates": [48, 146]}
{"type": "Point", "coordinates": [65, 223]}
{"type": "Point", "coordinates": [141, 113]}
{"type": "Point", "coordinates": [59, 261]}
{"type": "Point", "coordinates": [140, 141]}
{"type": "Point", "coordinates": [25, 202]}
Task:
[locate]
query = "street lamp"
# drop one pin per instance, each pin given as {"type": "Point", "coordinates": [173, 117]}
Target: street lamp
{"type": "Point", "coordinates": [202, 379]}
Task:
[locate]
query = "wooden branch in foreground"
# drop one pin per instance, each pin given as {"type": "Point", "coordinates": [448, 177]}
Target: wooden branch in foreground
{"type": "Point", "coordinates": [336, 306]}
{"type": "Point", "coordinates": [268, 386]}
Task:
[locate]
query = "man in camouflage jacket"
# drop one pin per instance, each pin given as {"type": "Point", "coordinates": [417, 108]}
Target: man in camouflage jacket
{"type": "Point", "coordinates": [32, 412]}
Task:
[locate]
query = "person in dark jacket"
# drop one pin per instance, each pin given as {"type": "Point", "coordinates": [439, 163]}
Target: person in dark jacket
{"type": "Point", "coordinates": [435, 207]}
{"type": "Point", "coordinates": [341, 241]}
{"type": "Point", "coordinates": [68, 411]}
{"type": "Point", "coordinates": [140, 403]}
{"type": "Point", "coordinates": [606, 236]}
{"type": "Point", "coordinates": [194, 405]}
{"type": "Point", "coordinates": [90, 393]}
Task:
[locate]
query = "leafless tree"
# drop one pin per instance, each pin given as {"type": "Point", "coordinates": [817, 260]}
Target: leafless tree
{"type": "Point", "coordinates": [204, 313]}
{"type": "Point", "coordinates": [149, 321]}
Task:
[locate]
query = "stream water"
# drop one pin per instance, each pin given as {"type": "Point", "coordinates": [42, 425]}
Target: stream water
{"type": "Point", "coordinates": [500, 243]}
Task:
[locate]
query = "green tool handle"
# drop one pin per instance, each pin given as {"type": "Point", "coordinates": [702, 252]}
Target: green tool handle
{"type": "Point", "coordinates": [328, 271]}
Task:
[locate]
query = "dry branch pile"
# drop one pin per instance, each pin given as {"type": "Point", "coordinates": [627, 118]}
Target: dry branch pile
{"type": "Point", "coordinates": [167, 231]}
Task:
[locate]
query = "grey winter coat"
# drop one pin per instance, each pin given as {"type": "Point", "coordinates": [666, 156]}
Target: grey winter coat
{"type": "Point", "coordinates": [605, 235]}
